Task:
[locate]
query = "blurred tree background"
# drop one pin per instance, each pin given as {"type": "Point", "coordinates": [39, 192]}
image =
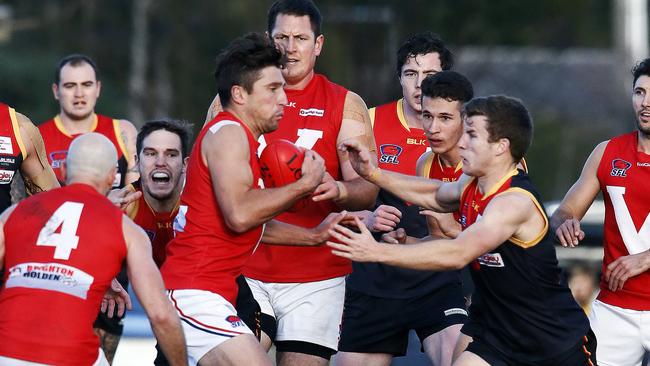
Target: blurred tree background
{"type": "Point", "coordinates": [156, 59]}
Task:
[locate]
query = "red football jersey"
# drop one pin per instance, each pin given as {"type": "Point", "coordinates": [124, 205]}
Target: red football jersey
{"type": "Point", "coordinates": [623, 173]}
{"type": "Point", "coordinates": [57, 140]}
{"type": "Point", "coordinates": [206, 254]}
{"type": "Point", "coordinates": [63, 248]}
{"type": "Point", "coordinates": [12, 152]}
{"type": "Point", "coordinates": [398, 145]}
{"type": "Point", "coordinates": [312, 119]}
{"type": "Point", "coordinates": [157, 225]}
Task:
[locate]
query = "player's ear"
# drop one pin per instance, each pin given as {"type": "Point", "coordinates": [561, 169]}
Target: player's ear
{"type": "Point", "coordinates": [503, 146]}
{"type": "Point", "coordinates": [184, 168]}
{"type": "Point", "coordinates": [320, 40]}
{"type": "Point", "coordinates": [238, 94]}
{"type": "Point", "coordinates": [55, 91]}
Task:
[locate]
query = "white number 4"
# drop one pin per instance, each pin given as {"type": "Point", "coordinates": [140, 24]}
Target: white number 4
{"type": "Point", "coordinates": [67, 217]}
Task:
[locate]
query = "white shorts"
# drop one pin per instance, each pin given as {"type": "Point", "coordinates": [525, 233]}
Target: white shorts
{"type": "Point", "coordinates": [207, 319]}
{"type": "Point", "coordinates": [623, 335]}
{"type": "Point", "coordinates": [308, 312]}
{"type": "Point", "coordinates": [6, 361]}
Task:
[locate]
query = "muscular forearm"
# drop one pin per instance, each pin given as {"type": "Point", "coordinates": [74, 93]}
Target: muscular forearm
{"type": "Point", "coordinates": [169, 335]}
{"type": "Point", "coordinates": [438, 255]}
{"type": "Point", "coordinates": [281, 233]}
{"type": "Point", "coordinates": [356, 194]}
{"type": "Point", "coordinates": [416, 190]}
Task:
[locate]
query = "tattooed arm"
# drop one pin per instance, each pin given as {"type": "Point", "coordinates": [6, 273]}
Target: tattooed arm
{"type": "Point", "coordinates": [128, 134]}
{"type": "Point", "coordinates": [36, 171]}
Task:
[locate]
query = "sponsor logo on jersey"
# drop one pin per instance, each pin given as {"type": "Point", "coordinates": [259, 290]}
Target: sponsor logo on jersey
{"type": "Point", "coordinates": [491, 260]}
{"type": "Point", "coordinates": [312, 112]}
{"type": "Point", "coordinates": [455, 311]}
{"type": "Point", "coordinates": [57, 158]}
{"type": "Point", "coordinates": [6, 146]}
{"type": "Point", "coordinates": [419, 142]}
{"type": "Point", "coordinates": [291, 105]}
{"type": "Point", "coordinates": [235, 321]}
{"type": "Point", "coordinates": [619, 168]}
{"type": "Point", "coordinates": [6, 176]}
{"type": "Point", "coordinates": [389, 153]}
{"type": "Point", "coordinates": [50, 276]}
{"type": "Point", "coordinates": [7, 160]}
{"type": "Point", "coordinates": [643, 165]}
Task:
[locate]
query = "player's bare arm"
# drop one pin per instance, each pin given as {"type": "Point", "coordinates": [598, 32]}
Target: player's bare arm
{"type": "Point", "coordinates": [565, 221]}
{"type": "Point", "coordinates": [508, 215]}
{"type": "Point", "coordinates": [36, 171]}
{"type": "Point", "coordinates": [128, 134]}
{"type": "Point", "coordinates": [281, 233]}
{"type": "Point", "coordinates": [428, 193]}
{"type": "Point", "coordinates": [383, 218]}
{"type": "Point", "coordinates": [353, 192]}
{"type": "Point", "coordinates": [226, 154]}
{"type": "Point", "coordinates": [213, 110]}
{"type": "Point", "coordinates": [3, 219]}
{"type": "Point", "coordinates": [148, 286]}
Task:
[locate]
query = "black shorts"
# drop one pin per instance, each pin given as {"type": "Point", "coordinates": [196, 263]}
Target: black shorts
{"type": "Point", "coordinates": [114, 325]}
{"type": "Point", "coordinates": [583, 353]}
{"type": "Point", "coordinates": [378, 325]}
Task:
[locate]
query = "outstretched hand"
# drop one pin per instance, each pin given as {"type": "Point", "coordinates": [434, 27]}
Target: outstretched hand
{"type": "Point", "coordinates": [569, 233]}
{"type": "Point", "coordinates": [395, 237]}
{"type": "Point", "coordinates": [122, 197]}
{"type": "Point", "coordinates": [359, 247]}
{"type": "Point", "coordinates": [360, 158]}
{"type": "Point", "coordinates": [322, 231]}
{"type": "Point", "coordinates": [115, 296]}
{"type": "Point", "coordinates": [624, 268]}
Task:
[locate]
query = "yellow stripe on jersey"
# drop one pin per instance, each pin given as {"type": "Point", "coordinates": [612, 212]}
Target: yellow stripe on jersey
{"type": "Point", "coordinates": [498, 184]}
{"type": "Point", "coordinates": [400, 114]}
{"type": "Point", "coordinates": [61, 128]}
{"type": "Point", "coordinates": [530, 243]}
{"type": "Point", "coordinates": [16, 127]}
{"type": "Point", "coordinates": [120, 140]}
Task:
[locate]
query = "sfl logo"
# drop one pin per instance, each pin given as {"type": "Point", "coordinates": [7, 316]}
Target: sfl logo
{"type": "Point", "coordinates": [619, 168]}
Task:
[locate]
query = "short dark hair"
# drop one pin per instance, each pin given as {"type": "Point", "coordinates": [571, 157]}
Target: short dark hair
{"type": "Point", "coordinates": [74, 59]}
{"type": "Point", "coordinates": [180, 128]}
{"type": "Point", "coordinates": [448, 85]}
{"type": "Point", "coordinates": [241, 62]}
{"type": "Point", "coordinates": [506, 118]}
{"type": "Point", "coordinates": [422, 44]}
{"type": "Point", "coordinates": [641, 69]}
{"type": "Point", "coordinates": [298, 8]}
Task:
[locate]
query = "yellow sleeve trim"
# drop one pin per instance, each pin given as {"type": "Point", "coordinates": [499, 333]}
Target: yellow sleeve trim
{"type": "Point", "coordinates": [498, 184]}
{"type": "Point", "coordinates": [16, 128]}
{"type": "Point", "coordinates": [426, 169]}
{"type": "Point", "coordinates": [120, 141]}
{"type": "Point", "coordinates": [530, 243]}
{"type": "Point", "coordinates": [400, 114]}
{"type": "Point", "coordinates": [524, 164]}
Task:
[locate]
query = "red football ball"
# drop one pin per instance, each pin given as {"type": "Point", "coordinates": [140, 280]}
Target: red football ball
{"type": "Point", "coordinates": [281, 164]}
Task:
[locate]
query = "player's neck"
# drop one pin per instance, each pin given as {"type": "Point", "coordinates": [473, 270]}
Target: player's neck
{"type": "Point", "coordinates": [413, 117]}
{"type": "Point", "coordinates": [241, 115]}
{"type": "Point", "coordinates": [644, 143]}
{"type": "Point", "coordinates": [495, 174]}
{"type": "Point", "coordinates": [299, 84]}
{"type": "Point", "coordinates": [166, 205]}
{"type": "Point", "coordinates": [77, 126]}
{"type": "Point", "coordinates": [450, 158]}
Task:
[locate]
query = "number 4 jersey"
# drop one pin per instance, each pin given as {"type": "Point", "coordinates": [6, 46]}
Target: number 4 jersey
{"type": "Point", "coordinates": [62, 249]}
{"type": "Point", "coordinates": [624, 173]}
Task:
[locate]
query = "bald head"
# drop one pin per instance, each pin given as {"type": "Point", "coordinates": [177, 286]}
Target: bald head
{"type": "Point", "coordinates": [91, 158]}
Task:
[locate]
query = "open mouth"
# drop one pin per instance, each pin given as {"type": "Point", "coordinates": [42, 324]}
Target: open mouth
{"type": "Point", "coordinates": [160, 177]}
